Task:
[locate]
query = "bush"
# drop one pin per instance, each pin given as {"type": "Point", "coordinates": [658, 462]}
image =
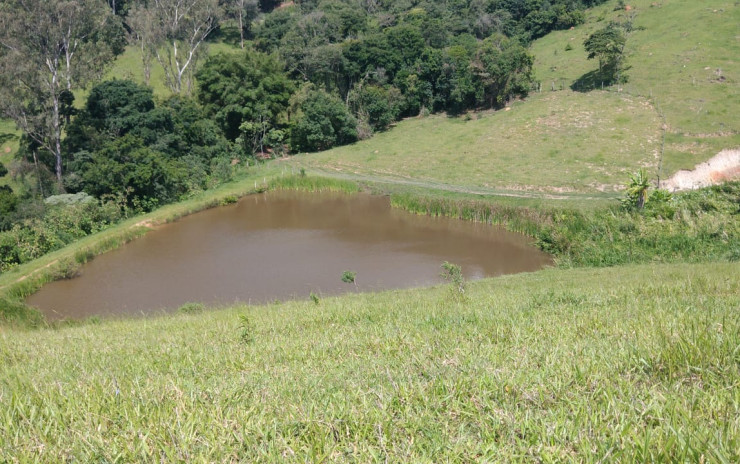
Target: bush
{"type": "Point", "coordinates": [324, 123]}
{"type": "Point", "coordinates": [348, 277]}
{"type": "Point", "coordinates": [192, 308]}
{"type": "Point", "coordinates": [247, 329]}
{"type": "Point", "coordinates": [8, 203]}
{"type": "Point", "coordinates": [380, 106]}
{"type": "Point", "coordinates": [452, 273]}
{"type": "Point", "coordinates": [56, 227]}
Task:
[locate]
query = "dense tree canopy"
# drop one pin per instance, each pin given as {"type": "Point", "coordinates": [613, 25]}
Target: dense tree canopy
{"type": "Point", "coordinates": [324, 122]}
{"type": "Point", "coordinates": [251, 86]}
{"type": "Point", "coordinates": [122, 142]}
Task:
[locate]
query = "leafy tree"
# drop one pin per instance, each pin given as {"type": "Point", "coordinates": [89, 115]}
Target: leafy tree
{"type": "Point", "coordinates": [504, 68]}
{"type": "Point", "coordinates": [238, 88]}
{"type": "Point", "coordinates": [48, 48]}
{"type": "Point", "coordinates": [405, 43]}
{"type": "Point", "coordinates": [8, 203]}
{"type": "Point", "coordinates": [113, 109]}
{"type": "Point", "coordinates": [194, 133]}
{"type": "Point", "coordinates": [379, 106]}
{"type": "Point", "coordinates": [607, 46]}
{"type": "Point", "coordinates": [144, 33]}
{"type": "Point", "coordinates": [270, 32]}
{"type": "Point", "coordinates": [312, 31]}
{"type": "Point", "coordinates": [324, 122]}
{"type": "Point", "coordinates": [269, 5]}
{"type": "Point", "coordinates": [243, 11]}
{"type": "Point", "coordinates": [3, 170]}
{"type": "Point", "coordinates": [457, 86]}
{"type": "Point", "coordinates": [126, 164]}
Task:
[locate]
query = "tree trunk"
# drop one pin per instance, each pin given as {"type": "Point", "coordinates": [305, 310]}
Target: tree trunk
{"type": "Point", "coordinates": [641, 199]}
{"type": "Point", "coordinates": [56, 134]}
{"type": "Point", "coordinates": [241, 26]}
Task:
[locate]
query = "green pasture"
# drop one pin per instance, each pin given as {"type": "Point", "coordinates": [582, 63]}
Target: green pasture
{"type": "Point", "coordinates": [682, 57]}
{"type": "Point", "coordinates": [564, 144]}
{"type": "Point", "coordinates": [624, 364]}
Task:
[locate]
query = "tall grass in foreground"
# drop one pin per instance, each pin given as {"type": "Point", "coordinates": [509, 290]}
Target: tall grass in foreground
{"type": "Point", "coordinates": [624, 364]}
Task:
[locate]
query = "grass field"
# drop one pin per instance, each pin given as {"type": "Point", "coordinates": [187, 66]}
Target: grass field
{"type": "Point", "coordinates": [561, 144]}
{"type": "Point", "coordinates": [627, 364]}
{"type": "Point", "coordinates": [630, 363]}
{"type": "Point", "coordinates": [682, 56]}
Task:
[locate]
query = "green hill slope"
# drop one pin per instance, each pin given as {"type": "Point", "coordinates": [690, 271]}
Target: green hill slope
{"type": "Point", "coordinates": [628, 364]}
{"type": "Point", "coordinates": [683, 55]}
{"type": "Point", "coordinates": [551, 144]}
{"type": "Point", "coordinates": [563, 141]}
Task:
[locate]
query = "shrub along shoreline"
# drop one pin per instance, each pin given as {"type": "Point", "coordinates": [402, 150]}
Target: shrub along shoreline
{"type": "Point", "coordinates": [697, 226]}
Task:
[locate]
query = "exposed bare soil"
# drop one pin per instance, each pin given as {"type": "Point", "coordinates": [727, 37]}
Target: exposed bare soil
{"type": "Point", "coordinates": [725, 166]}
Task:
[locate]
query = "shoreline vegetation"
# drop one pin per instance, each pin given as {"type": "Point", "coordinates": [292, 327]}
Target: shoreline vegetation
{"type": "Point", "coordinates": [694, 226]}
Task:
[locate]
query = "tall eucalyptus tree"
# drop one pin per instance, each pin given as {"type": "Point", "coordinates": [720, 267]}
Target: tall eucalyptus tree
{"type": "Point", "coordinates": [48, 49]}
{"type": "Point", "coordinates": [181, 27]}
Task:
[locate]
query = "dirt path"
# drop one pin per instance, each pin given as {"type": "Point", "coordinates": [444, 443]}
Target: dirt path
{"type": "Point", "coordinates": [725, 166]}
{"type": "Point", "coordinates": [430, 184]}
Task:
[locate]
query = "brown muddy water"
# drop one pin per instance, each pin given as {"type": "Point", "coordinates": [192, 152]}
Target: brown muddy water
{"type": "Point", "coordinates": [283, 245]}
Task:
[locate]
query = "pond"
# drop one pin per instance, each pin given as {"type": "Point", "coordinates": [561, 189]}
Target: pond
{"type": "Point", "coordinates": [283, 245]}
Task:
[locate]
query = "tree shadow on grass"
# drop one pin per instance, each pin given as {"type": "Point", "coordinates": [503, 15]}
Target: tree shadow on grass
{"type": "Point", "coordinates": [597, 79]}
{"type": "Point", "coordinates": [592, 80]}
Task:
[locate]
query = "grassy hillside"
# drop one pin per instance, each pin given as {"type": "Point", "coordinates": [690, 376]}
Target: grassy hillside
{"type": "Point", "coordinates": [624, 364]}
{"type": "Point", "coordinates": [557, 144]}
{"type": "Point", "coordinates": [682, 55]}
{"type": "Point", "coordinates": [566, 142]}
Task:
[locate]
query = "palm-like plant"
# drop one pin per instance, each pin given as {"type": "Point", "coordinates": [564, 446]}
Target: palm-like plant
{"type": "Point", "coordinates": [638, 188]}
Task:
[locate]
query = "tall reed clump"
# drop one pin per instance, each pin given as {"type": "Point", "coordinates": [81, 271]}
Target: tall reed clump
{"type": "Point", "coordinates": [527, 221]}
{"type": "Point", "coordinates": [313, 184]}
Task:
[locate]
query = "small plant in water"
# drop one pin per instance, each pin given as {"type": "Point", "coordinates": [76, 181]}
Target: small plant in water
{"type": "Point", "coordinates": [315, 298]}
{"type": "Point", "coordinates": [191, 308]}
{"type": "Point", "coordinates": [348, 277]}
{"type": "Point", "coordinates": [228, 199]}
{"type": "Point", "coordinates": [247, 329]}
{"type": "Point", "coordinates": [453, 274]}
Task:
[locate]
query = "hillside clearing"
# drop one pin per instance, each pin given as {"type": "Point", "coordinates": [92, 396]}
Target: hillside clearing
{"type": "Point", "coordinates": [553, 144]}
{"type": "Point", "coordinates": [682, 56]}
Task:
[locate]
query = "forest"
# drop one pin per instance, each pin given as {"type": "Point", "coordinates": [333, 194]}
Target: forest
{"type": "Point", "coordinates": [290, 77]}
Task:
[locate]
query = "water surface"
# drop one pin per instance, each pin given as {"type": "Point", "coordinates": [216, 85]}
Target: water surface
{"type": "Point", "coordinates": [282, 245]}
